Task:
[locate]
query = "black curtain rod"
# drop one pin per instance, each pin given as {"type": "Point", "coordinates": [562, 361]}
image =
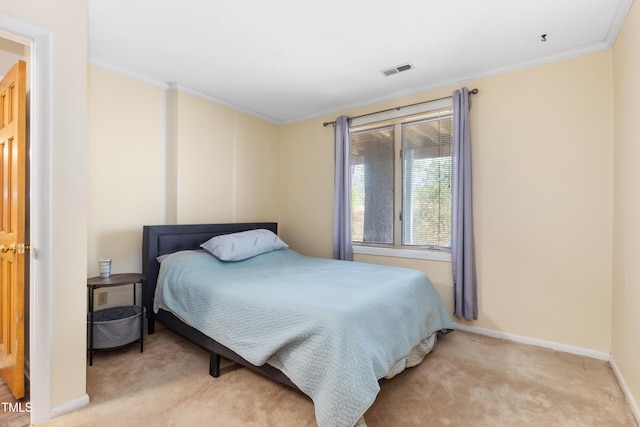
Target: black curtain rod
{"type": "Point", "coordinates": [472, 92]}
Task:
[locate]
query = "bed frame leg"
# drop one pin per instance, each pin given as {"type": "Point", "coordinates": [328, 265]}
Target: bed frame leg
{"type": "Point", "coordinates": [214, 365]}
{"type": "Point", "coordinates": [151, 325]}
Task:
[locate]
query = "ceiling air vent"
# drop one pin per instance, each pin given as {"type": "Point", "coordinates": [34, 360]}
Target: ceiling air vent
{"type": "Point", "coordinates": [397, 69]}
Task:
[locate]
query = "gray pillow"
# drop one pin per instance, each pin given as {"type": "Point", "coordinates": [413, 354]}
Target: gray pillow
{"type": "Point", "coordinates": [243, 245]}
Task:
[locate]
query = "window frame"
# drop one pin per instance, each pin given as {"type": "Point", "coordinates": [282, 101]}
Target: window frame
{"type": "Point", "coordinates": [378, 120]}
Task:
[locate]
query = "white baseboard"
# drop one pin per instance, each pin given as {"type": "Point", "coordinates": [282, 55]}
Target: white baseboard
{"type": "Point", "coordinates": [623, 385]}
{"type": "Point", "coordinates": [70, 406]}
{"type": "Point", "coordinates": [600, 355]}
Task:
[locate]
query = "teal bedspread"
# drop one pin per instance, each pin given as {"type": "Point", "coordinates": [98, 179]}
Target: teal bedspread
{"type": "Point", "coordinates": [333, 327]}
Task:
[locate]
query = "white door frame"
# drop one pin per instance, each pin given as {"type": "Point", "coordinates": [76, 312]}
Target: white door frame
{"type": "Point", "coordinates": [40, 90]}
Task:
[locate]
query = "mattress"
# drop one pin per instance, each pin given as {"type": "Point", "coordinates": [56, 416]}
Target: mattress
{"type": "Point", "coordinates": [333, 327]}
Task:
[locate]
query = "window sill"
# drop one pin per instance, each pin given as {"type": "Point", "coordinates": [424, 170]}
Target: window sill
{"type": "Point", "coordinates": [403, 253]}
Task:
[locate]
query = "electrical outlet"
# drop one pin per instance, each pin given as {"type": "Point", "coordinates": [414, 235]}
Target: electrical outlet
{"type": "Point", "coordinates": [102, 298]}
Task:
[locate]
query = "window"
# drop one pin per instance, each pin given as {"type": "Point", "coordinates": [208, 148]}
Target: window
{"type": "Point", "coordinates": [401, 182]}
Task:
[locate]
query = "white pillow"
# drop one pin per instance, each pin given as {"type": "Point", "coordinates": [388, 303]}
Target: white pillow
{"type": "Point", "coordinates": [243, 245]}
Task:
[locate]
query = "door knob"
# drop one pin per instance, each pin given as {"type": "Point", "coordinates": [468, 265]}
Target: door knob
{"type": "Point", "coordinates": [4, 248]}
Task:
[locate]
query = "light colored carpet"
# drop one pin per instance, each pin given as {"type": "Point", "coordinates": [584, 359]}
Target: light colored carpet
{"type": "Point", "coordinates": [469, 380]}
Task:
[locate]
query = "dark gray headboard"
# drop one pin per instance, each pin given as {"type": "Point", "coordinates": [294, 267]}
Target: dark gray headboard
{"type": "Point", "coordinates": [165, 239]}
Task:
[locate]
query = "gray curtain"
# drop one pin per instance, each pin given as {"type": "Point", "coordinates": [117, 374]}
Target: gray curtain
{"type": "Point", "coordinates": [463, 252]}
{"type": "Point", "coordinates": [342, 245]}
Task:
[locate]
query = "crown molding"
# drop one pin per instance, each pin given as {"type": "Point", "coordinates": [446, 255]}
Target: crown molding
{"type": "Point", "coordinates": [618, 21]}
{"type": "Point", "coordinates": [186, 89]}
{"type": "Point", "coordinates": [127, 73]}
{"type": "Point", "coordinates": [175, 86]}
{"type": "Point", "coordinates": [456, 80]}
{"type": "Point", "coordinates": [467, 78]}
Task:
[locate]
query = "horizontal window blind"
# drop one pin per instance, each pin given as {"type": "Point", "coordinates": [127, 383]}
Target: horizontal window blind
{"type": "Point", "coordinates": [426, 155]}
{"type": "Point", "coordinates": [372, 179]}
{"type": "Point", "coordinates": [401, 181]}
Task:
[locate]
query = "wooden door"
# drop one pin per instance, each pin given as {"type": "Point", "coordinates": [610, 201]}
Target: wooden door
{"type": "Point", "coordinates": [12, 226]}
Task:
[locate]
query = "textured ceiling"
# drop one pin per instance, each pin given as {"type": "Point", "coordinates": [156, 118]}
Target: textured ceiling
{"type": "Point", "coordinates": [287, 60]}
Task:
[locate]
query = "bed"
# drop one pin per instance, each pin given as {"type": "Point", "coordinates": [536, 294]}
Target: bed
{"type": "Point", "coordinates": [305, 322]}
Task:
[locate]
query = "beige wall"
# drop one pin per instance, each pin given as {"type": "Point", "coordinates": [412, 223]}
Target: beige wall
{"type": "Point", "coordinates": [227, 164]}
{"type": "Point", "coordinates": [543, 173]}
{"type": "Point", "coordinates": [626, 249]}
{"type": "Point", "coordinates": [126, 164]}
{"type": "Point", "coordinates": [67, 196]}
{"type": "Point", "coordinates": [10, 52]}
{"type": "Point", "coordinates": [127, 173]}
{"type": "Point", "coordinates": [159, 156]}
{"type": "Point", "coordinates": [306, 181]}
{"type": "Point", "coordinates": [543, 149]}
